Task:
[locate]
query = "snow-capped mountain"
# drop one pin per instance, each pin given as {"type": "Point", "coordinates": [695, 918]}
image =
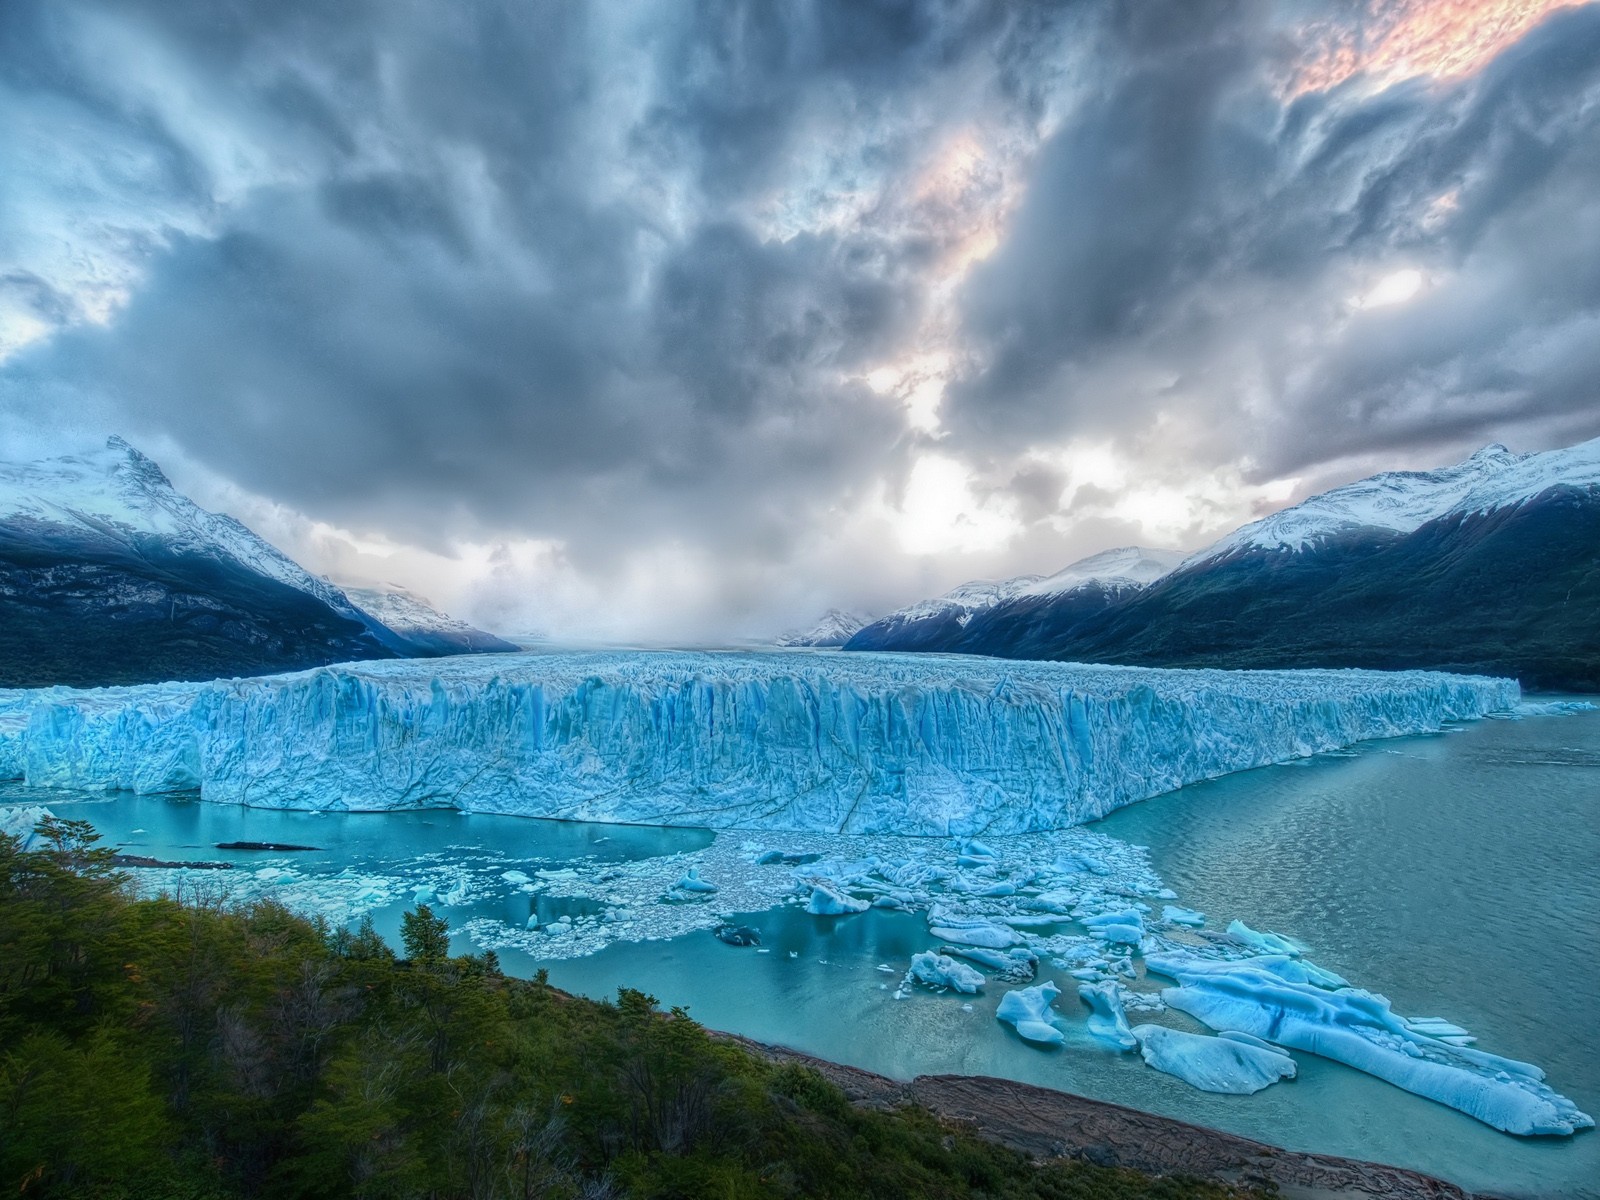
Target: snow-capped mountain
{"type": "Point", "coordinates": [928, 624]}
{"type": "Point", "coordinates": [109, 574]}
{"type": "Point", "coordinates": [118, 494]}
{"type": "Point", "coordinates": [1125, 568]}
{"type": "Point", "coordinates": [834, 628]}
{"type": "Point", "coordinates": [422, 625]}
{"type": "Point", "coordinates": [1491, 565]}
{"type": "Point", "coordinates": [1404, 501]}
{"type": "Point", "coordinates": [940, 623]}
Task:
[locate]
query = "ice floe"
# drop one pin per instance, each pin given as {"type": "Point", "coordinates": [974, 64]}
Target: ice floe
{"type": "Point", "coordinates": [1231, 1063]}
{"type": "Point", "coordinates": [1359, 1029]}
{"type": "Point", "coordinates": [1107, 1020]}
{"type": "Point", "coordinates": [829, 902]}
{"type": "Point", "coordinates": [941, 971]}
{"type": "Point", "coordinates": [1029, 1011]}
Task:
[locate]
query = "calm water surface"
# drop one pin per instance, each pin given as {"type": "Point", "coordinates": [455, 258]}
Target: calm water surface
{"type": "Point", "coordinates": [1456, 874]}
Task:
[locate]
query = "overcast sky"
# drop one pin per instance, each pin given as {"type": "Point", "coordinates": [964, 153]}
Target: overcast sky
{"type": "Point", "coordinates": [684, 322]}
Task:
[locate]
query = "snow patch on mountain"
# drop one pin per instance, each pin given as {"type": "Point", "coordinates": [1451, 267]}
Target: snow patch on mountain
{"type": "Point", "coordinates": [1403, 501]}
{"type": "Point", "coordinates": [964, 600]}
{"type": "Point", "coordinates": [834, 628]}
{"type": "Point", "coordinates": [416, 620]}
{"type": "Point", "coordinates": [117, 493]}
{"type": "Point", "coordinates": [1126, 568]}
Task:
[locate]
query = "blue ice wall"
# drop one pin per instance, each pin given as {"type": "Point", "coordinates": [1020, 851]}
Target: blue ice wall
{"type": "Point", "coordinates": [863, 743]}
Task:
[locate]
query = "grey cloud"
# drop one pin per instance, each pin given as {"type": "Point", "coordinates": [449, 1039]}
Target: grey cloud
{"type": "Point", "coordinates": [1183, 225]}
{"type": "Point", "coordinates": [560, 269]}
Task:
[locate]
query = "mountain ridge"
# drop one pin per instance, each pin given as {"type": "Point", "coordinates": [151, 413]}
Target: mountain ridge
{"type": "Point", "coordinates": [110, 575]}
{"type": "Point", "coordinates": [1491, 565]}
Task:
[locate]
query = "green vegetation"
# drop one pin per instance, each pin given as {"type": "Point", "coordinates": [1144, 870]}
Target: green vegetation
{"type": "Point", "coordinates": [157, 1049]}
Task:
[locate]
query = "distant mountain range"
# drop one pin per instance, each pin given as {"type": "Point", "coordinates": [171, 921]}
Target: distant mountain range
{"type": "Point", "coordinates": [108, 574]}
{"type": "Point", "coordinates": [834, 628]}
{"type": "Point", "coordinates": [1491, 565]}
{"type": "Point", "coordinates": [1086, 586]}
{"type": "Point", "coordinates": [426, 630]}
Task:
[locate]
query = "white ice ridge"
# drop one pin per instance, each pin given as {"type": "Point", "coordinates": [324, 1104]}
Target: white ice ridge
{"type": "Point", "coordinates": [800, 741]}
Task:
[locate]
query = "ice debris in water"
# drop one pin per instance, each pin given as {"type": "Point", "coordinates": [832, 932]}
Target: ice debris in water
{"type": "Point", "coordinates": [1230, 981]}
{"type": "Point", "coordinates": [1267, 943]}
{"type": "Point", "coordinates": [827, 743]}
{"type": "Point", "coordinates": [1360, 1030]}
{"type": "Point", "coordinates": [1545, 708]}
{"type": "Point", "coordinates": [1028, 1009]}
{"type": "Point", "coordinates": [1234, 1064]}
{"type": "Point", "coordinates": [691, 882]}
{"type": "Point", "coordinates": [1107, 1020]}
{"type": "Point", "coordinates": [1182, 916]}
{"type": "Point", "coordinates": [826, 901]}
{"type": "Point", "coordinates": [1125, 927]}
{"type": "Point", "coordinates": [942, 971]}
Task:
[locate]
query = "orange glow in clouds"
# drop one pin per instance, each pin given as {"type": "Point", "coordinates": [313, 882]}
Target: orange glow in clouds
{"type": "Point", "coordinates": [1401, 39]}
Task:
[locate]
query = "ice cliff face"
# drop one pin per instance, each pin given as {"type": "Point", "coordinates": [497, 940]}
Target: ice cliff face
{"type": "Point", "coordinates": [921, 745]}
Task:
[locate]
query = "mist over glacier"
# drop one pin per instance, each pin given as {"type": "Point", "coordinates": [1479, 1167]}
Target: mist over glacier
{"type": "Point", "coordinates": [817, 742]}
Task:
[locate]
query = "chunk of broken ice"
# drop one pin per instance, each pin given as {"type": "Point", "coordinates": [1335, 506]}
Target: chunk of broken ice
{"type": "Point", "coordinates": [942, 971]}
{"type": "Point", "coordinates": [1233, 1066]}
{"type": "Point", "coordinates": [1107, 1021]}
{"type": "Point", "coordinates": [826, 901]}
{"type": "Point", "coordinates": [1028, 1009]}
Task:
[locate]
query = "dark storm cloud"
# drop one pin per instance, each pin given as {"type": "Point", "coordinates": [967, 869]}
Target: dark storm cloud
{"type": "Point", "coordinates": [1184, 210]}
{"type": "Point", "coordinates": [491, 270]}
{"type": "Point", "coordinates": [613, 274]}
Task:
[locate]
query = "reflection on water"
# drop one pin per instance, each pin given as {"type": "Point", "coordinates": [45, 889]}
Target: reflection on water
{"type": "Point", "coordinates": [1454, 873]}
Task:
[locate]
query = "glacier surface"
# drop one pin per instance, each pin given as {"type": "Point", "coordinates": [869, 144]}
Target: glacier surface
{"type": "Point", "coordinates": [802, 741]}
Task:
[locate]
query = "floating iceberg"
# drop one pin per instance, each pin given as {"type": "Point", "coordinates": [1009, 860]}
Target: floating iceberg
{"type": "Point", "coordinates": [1107, 1021]}
{"type": "Point", "coordinates": [1267, 943]}
{"type": "Point", "coordinates": [905, 744]}
{"type": "Point", "coordinates": [1017, 965]}
{"type": "Point", "coordinates": [1359, 1029]}
{"type": "Point", "coordinates": [829, 902]}
{"type": "Point", "coordinates": [1234, 1064]}
{"type": "Point", "coordinates": [1028, 1009]}
{"type": "Point", "coordinates": [942, 971]}
{"type": "Point", "coordinates": [1125, 928]}
{"type": "Point", "coordinates": [691, 882]}
{"type": "Point", "coordinates": [970, 930]}
{"type": "Point", "coordinates": [1175, 914]}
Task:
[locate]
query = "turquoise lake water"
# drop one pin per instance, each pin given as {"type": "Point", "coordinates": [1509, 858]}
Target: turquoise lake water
{"type": "Point", "coordinates": [1456, 874]}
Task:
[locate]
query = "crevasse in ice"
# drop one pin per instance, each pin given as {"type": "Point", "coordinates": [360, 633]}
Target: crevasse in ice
{"type": "Point", "coordinates": [910, 744]}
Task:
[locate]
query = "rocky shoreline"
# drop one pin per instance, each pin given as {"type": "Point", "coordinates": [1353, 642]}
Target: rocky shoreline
{"type": "Point", "coordinates": [1048, 1124]}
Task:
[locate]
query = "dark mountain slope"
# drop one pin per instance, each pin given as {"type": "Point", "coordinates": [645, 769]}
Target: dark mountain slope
{"type": "Point", "coordinates": [89, 611]}
{"type": "Point", "coordinates": [1513, 591]}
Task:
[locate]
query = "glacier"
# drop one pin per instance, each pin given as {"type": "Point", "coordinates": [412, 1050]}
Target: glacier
{"type": "Point", "coordinates": [804, 741]}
